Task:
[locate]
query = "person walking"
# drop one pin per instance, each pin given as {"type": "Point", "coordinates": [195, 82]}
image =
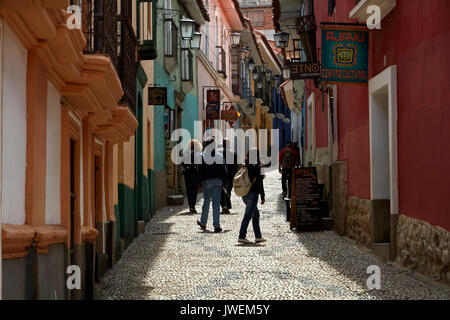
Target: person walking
{"type": "Point", "coordinates": [212, 177]}
{"type": "Point", "coordinates": [232, 168]}
{"type": "Point", "coordinates": [190, 172]}
{"type": "Point", "coordinates": [251, 203]}
{"type": "Point", "coordinates": [286, 161]}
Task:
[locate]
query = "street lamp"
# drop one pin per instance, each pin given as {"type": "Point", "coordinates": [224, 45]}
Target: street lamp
{"type": "Point", "coordinates": [255, 74]}
{"type": "Point", "coordinates": [259, 85]}
{"type": "Point", "coordinates": [286, 72]}
{"type": "Point", "coordinates": [196, 40]}
{"type": "Point", "coordinates": [243, 54]}
{"type": "Point", "coordinates": [187, 28]}
{"type": "Point", "coordinates": [251, 65]}
{"type": "Point", "coordinates": [264, 66]}
{"type": "Point", "coordinates": [281, 39]}
{"type": "Point", "coordinates": [235, 38]}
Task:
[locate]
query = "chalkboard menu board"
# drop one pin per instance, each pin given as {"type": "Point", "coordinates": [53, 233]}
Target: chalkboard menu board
{"type": "Point", "coordinates": [305, 210]}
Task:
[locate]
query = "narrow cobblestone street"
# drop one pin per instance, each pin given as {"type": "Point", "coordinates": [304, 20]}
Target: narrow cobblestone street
{"type": "Point", "coordinates": [174, 259]}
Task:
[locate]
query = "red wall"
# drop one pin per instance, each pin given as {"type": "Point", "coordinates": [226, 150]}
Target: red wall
{"type": "Point", "coordinates": [415, 36]}
{"type": "Point", "coordinates": [423, 62]}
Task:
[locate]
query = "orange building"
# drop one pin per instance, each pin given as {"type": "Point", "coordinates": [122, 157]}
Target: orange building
{"type": "Point", "coordinates": [62, 114]}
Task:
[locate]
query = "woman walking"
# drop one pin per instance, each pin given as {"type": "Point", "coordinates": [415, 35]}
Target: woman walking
{"type": "Point", "coordinates": [251, 203]}
{"type": "Point", "coordinates": [190, 166]}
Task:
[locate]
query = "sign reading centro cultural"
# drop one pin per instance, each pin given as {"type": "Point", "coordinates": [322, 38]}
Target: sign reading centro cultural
{"type": "Point", "coordinates": [345, 56]}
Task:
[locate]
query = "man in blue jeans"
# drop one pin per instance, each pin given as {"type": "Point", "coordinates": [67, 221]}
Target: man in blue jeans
{"type": "Point", "coordinates": [212, 177]}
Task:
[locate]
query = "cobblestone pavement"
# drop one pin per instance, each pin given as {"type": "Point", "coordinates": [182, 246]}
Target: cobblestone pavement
{"type": "Point", "coordinates": [174, 259]}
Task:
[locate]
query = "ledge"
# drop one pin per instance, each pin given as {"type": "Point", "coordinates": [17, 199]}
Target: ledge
{"type": "Point", "coordinates": [88, 234]}
{"type": "Point", "coordinates": [16, 240]}
{"type": "Point", "coordinates": [48, 235]}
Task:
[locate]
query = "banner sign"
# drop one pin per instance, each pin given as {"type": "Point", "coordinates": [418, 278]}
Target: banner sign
{"type": "Point", "coordinates": [345, 56]}
{"type": "Point", "coordinates": [157, 96]}
{"type": "Point", "coordinates": [305, 70]}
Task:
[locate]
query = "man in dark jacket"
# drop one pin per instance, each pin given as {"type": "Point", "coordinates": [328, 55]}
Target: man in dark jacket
{"type": "Point", "coordinates": [286, 161]}
{"type": "Point", "coordinates": [212, 177]}
{"type": "Point", "coordinates": [232, 169]}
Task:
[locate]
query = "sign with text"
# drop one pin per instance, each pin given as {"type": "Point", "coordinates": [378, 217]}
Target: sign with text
{"type": "Point", "coordinates": [345, 56]}
{"type": "Point", "coordinates": [157, 96]}
{"type": "Point", "coordinates": [213, 111]}
{"type": "Point", "coordinates": [306, 199]}
{"type": "Point", "coordinates": [305, 70]}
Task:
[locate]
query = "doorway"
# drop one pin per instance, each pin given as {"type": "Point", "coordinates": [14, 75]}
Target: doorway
{"type": "Point", "coordinates": [383, 158]}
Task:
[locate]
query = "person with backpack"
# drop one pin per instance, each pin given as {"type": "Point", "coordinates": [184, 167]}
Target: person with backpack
{"type": "Point", "coordinates": [212, 177]}
{"type": "Point", "coordinates": [248, 184]}
{"type": "Point", "coordinates": [286, 161]}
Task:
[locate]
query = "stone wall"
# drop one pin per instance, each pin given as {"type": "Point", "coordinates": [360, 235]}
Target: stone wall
{"type": "Point", "coordinates": [424, 248]}
{"type": "Point", "coordinates": [357, 224]}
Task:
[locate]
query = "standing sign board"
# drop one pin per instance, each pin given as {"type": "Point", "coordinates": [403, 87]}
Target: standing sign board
{"type": "Point", "coordinates": [305, 210]}
{"type": "Point", "coordinates": [345, 56]}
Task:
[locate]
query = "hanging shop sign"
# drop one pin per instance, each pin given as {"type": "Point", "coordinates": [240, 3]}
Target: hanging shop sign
{"type": "Point", "coordinates": [305, 70]}
{"type": "Point", "coordinates": [213, 104]}
{"type": "Point", "coordinates": [157, 96]}
{"type": "Point", "coordinates": [345, 55]}
{"type": "Point", "coordinates": [230, 115]}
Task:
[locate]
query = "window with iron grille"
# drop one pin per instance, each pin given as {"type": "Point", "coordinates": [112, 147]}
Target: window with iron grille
{"type": "Point", "coordinates": [236, 70]}
{"type": "Point", "coordinates": [170, 38]}
{"type": "Point", "coordinates": [221, 60]}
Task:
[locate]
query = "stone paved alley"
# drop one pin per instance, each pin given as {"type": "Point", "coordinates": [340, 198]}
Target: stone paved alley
{"type": "Point", "coordinates": [174, 259]}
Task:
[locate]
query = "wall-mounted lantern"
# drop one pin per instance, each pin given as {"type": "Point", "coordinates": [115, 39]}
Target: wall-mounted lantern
{"type": "Point", "coordinates": [286, 72]}
{"type": "Point", "coordinates": [255, 74]}
{"type": "Point", "coordinates": [281, 39]}
{"type": "Point", "coordinates": [235, 38]}
{"type": "Point", "coordinates": [251, 65]}
{"type": "Point", "coordinates": [196, 41]}
{"type": "Point", "coordinates": [187, 28]}
{"type": "Point", "coordinates": [259, 85]}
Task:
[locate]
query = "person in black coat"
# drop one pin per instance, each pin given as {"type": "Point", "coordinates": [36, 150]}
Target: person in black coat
{"type": "Point", "coordinates": [232, 169]}
{"type": "Point", "coordinates": [190, 172]}
{"type": "Point", "coordinates": [212, 175]}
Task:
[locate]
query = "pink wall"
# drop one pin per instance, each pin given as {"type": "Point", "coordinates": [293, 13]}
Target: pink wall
{"type": "Point", "coordinates": [415, 37]}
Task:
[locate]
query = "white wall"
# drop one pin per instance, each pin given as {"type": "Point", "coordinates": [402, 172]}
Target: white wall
{"type": "Point", "coordinates": [53, 178]}
{"type": "Point", "coordinates": [14, 129]}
